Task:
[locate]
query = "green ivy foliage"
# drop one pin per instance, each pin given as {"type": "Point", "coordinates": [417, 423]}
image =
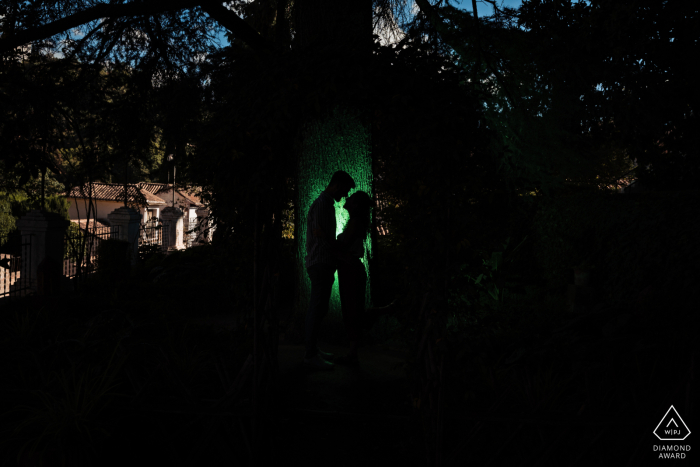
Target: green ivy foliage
{"type": "Point", "coordinates": [7, 221]}
{"type": "Point", "coordinates": [14, 206]}
{"type": "Point", "coordinates": [424, 128]}
{"type": "Point", "coordinates": [256, 105]}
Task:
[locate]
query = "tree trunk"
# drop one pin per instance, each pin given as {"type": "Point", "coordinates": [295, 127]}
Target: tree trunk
{"type": "Point", "coordinates": [337, 22]}
{"type": "Point", "coordinates": [339, 140]}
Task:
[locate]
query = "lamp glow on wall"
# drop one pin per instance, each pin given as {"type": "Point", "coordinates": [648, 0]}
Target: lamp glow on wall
{"type": "Point", "coordinates": [340, 142]}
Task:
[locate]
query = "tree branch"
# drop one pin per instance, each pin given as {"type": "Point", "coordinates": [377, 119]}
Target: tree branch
{"type": "Point", "coordinates": [99, 11]}
{"type": "Point", "coordinates": [236, 25]}
{"type": "Point", "coordinates": [225, 17]}
{"type": "Point", "coordinates": [435, 18]}
{"type": "Point", "coordinates": [478, 45]}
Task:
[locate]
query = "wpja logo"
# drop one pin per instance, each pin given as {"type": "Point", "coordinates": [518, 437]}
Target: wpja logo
{"type": "Point", "coordinates": [671, 428]}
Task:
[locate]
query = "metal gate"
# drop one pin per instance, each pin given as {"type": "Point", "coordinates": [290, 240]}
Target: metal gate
{"type": "Point", "coordinates": [15, 261]}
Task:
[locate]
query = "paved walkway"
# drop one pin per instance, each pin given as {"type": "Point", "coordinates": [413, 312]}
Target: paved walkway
{"type": "Point", "coordinates": [364, 390]}
{"type": "Point", "coordinates": [346, 416]}
{"type": "Point", "coordinates": [381, 372]}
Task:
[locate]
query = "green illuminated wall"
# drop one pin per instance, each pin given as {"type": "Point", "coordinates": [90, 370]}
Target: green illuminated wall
{"type": "Point", "coordinates": [338, 143]}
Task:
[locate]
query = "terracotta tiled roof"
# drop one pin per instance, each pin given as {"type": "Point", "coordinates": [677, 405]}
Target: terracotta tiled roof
{"type": "Point", "coordinates": [83, 223]}
{"type": "Point", "coordinates": [191, 198]}
{"type": "Point", "coordinates": [115, 192]}
{"type": "Point", "coordinates": [153, 188]}
{"type": "Point", "coordinates": [156, 188]}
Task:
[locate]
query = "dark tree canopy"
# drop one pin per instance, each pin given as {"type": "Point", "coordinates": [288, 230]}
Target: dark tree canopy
{"type": "Point", "coordinates": [604, 76]}
{"type": "Point", "coordinates": [571, 90]}
{"type": "Point", "coordinates": [166, 41]}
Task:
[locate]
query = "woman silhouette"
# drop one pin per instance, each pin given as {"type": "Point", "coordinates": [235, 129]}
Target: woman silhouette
{"type": "Point", "coordinates": [352, 278]}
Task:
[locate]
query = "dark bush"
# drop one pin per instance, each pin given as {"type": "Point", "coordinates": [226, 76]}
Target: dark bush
{"type": "Point", "coordinates": [113, 258]}
{"type": "Point", "coordinates": [147, 252]}
{"type": "Point", "coordinates": [14, 206]}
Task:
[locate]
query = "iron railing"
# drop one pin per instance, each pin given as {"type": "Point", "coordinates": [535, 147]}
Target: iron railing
{"type": "Point", "coordinates": [153, 238]}
{"type": "Point", "coordinates": [80, 250]}
{"type": "Point", "coordinates": [191, 232]}
{"type": "Point", "coordinates": [15, 261]}
{"type": "Point", "coordinates": [153, 232]}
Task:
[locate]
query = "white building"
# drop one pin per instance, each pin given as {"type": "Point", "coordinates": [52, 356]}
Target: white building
{"type": "Point", "coordinates": [187, 202]}
{"type": "Point", "coordinates": [148, 198]}
{"type": "Point", "coordinates": [106, 198]}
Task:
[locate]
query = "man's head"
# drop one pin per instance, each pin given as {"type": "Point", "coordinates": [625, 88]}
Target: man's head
{"type": "Point", "coordinates": [340, 185]}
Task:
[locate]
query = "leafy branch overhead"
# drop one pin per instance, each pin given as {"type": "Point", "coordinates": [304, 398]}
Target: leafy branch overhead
{"type": "Point", "coordinates": [82, 13]}
{"type": "Point", "coordinates": [568, 85]}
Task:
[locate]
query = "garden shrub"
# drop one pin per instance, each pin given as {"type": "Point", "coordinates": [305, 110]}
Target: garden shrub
{"type": "Point", "coordinates": [113, 258]}
{"type": "Point", "coordinates": [147, 252]}
{"type": "Point", "coordinates": [631, 241]}
{"type": "Point", "coordinates": [21, 204]}
{"type": "Point", "coordinates": [14, 206]}
{"type": "Point", "coordinates": [7, 221]}
{"type": "Point", "coordinates": [73, 247]}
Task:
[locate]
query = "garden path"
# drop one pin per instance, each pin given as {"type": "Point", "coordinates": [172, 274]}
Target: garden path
{"type": "Point", "coordinates": [346, 414]}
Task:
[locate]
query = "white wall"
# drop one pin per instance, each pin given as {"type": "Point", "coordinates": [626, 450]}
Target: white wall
{"type": "Point", "coordinates": [103, 208]}
{"type": "Point", "coordinates": [144, 213]}
{"type": "Point", "coordinates": [78, 208]}
{"type": "Point", "coordinates": [180, 201]}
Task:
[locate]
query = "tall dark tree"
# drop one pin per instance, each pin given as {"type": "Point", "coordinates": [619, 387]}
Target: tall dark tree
{"type": "Point", "coordinates": [79, 121]}
{"type": "Point", "coordinates": [587, 86]}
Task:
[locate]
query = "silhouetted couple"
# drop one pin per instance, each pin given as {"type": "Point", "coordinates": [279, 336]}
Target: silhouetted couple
{"type": "Point", "coordinates": [324, 255]}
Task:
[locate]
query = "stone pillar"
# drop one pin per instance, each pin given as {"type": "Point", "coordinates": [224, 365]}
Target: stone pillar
{"type": "Point", "coordinates": [129, 222]}
{"type": "Point", "coordinates": [45, 265]}
{"type": "Point", "coordinates": [173, 221]}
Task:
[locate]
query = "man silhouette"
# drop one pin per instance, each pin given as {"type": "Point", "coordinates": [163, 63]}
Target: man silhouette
{"type": "Point", "coordinates": [320, 262]}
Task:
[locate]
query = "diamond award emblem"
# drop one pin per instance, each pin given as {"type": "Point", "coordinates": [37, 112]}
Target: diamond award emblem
{"type": "Point", "coordinates": [671, 427]}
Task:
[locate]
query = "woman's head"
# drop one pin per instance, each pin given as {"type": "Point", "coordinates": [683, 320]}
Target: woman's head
{"type": "Point", "coordinates": [358, 206]}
